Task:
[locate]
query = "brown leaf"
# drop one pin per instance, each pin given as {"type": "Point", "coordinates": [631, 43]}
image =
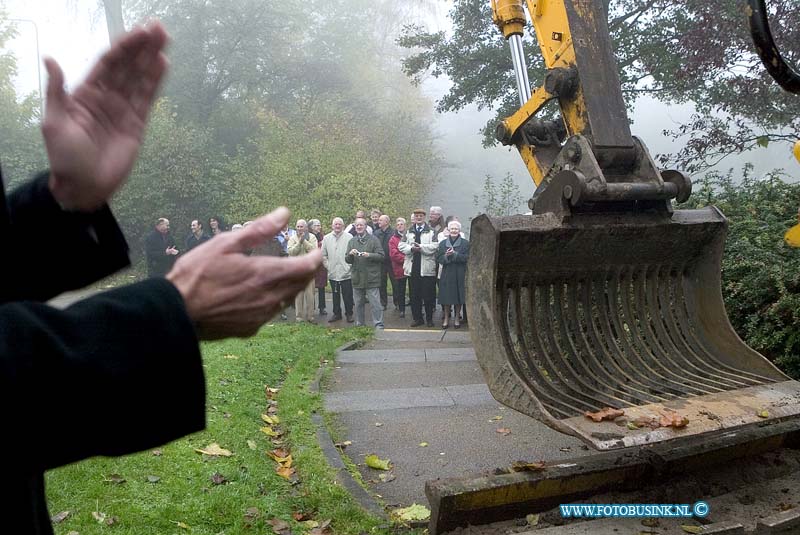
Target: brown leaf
{"type": "Point", "coordinates": [505, 431]}
{"type": "Point", "coordinates": [651, 522]}
{"type": "Point", "coordinates": [279, 526]}
{"type": "Point", "coordinates": [218, 479]}
{"type": "Point", "coordinates": [673, 419]}
{"type": "Point", "coordinates": [214, 450]}
{"type": "Point", "coordinates": [60, 517]}
{"type": "Point", "coordinates": [300, 516]}
{"type": "Point", "coordinates": [252, 513]}
{"type": "Point", "coordinates": [323, 529]}
{"type": "Point", "coordinates": [606, 413]}
{"type": "Point", "coordinates": [285, 472]}
{"type": "Point", "coordinates": [647, 421]}
{"type": "Point", "coordinates": [524, 466]}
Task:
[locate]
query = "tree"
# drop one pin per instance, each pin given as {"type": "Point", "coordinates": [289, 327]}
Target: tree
{"type": "Point", "coordinates": [499, 199]}
{"type": "Point", "coordinates": [676, 51]}
{"type": "Point", "coordinates": [760, 273]}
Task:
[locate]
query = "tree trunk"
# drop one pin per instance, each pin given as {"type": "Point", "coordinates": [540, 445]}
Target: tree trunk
{"type": "Point", "coordinates": [116, 26]}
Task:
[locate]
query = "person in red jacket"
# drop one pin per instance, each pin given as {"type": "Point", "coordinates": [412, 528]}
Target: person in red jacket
{"type": "Point", "coordinates": [398, 259]}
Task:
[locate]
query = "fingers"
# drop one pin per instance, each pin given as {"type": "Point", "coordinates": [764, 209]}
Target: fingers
{"type": "Point", "coordinates": [56, 96]}
{"type": "Point", "coordinates": [276, 271]}
{"type": "Point", "coordinates": [262, 229]}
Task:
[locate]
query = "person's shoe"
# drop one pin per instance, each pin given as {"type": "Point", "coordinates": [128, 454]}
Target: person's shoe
{"type": "Point", "coordinates": [416, 323]}
{"type": "Point", "coordinates": [284, 316]}
{"type": "Point", "coordinates": [430, 323]}
{"type": "Point", "coordinates": [445, 325]}
{"type": "Point", "coordinates": [334, 318]}
{"type": "Point", "coordinates": [323, 312]}
{"type": "Point", "coordinates": [312, 321]}
{"type": "Point", "coordinates": [359, 324]}
{"type": "Point", "coordinates": [402, 314]}
{"type": "Point", "coordinates": [456, 325]}
{"type": "Point", "coordinates": [379, 326]}
{"type": "Point", "coordinates": [350, 318]}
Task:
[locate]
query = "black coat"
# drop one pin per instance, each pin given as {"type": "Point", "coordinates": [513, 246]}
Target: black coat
{"type": "Point", "coordinates": [452, 289]}
{"type": "Point", "coordinates": [193, 241]}
{"type": "Point", "coordinates": [158, 261]}
{"type": "Point", "coordinates": [85, 376]}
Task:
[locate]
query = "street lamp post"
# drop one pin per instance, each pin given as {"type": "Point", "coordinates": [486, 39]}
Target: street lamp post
{"type": "Point", "coordinates": [38, 62]}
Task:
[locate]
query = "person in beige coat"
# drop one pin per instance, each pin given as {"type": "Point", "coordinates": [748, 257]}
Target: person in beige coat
{"type": "Point", "coordinates": [419, 246]}
{"type": "Point", "coordinates": [303, 242]}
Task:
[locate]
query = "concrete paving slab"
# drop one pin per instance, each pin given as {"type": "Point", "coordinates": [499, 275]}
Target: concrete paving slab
{"type": "Point", "coordinates": [395, 375]}
{"type": "Point", "coordinates": [461, 441]}
{"type": "Point", "coordinates": [471, 395]}
{"type": "Point", "coordinates": [452, 354]}
{"type": "Point", "coordinates": [398, 398]}
{"type": "Point", "coordinates": [380, 356]}
{"type": "Point", "coordinates": [401, 335]}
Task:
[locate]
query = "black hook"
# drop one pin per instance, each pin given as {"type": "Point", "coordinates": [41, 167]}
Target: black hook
{"type": "Point", "coordinates": [784, 74]}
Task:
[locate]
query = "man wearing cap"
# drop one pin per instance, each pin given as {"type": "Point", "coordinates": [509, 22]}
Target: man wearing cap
{"type": "Point", "coordinates": [419, 246]}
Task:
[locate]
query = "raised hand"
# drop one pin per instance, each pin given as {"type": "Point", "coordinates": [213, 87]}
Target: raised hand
{"type": "Point", "coordinates": [93, 135]}
{"type": "Point", "coordinates": [228, 293]}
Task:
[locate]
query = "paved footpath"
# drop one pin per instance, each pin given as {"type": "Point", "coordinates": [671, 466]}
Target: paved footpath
{"type": "Point", "coordinates": [411, 386]}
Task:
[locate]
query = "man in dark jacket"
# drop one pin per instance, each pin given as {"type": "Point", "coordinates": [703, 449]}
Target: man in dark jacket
{"type": "Point", "coordinates": [127, 358]}
{"type": "Point", "coordinates": [159, 249]}
{"type": "Point", "coordinates": [384, 233]}
{"type": "Point", "coordinates": [365, 253]}
{"type": "Point", "coordinates": [197, 236]}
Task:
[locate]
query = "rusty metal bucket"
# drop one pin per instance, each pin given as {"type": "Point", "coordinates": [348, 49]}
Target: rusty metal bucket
{"type": "Point", "coordinates": [621, 310]}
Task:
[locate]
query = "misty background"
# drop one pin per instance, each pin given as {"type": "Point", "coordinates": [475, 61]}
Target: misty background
{"type": "Point", "coordinates": [74, 32]}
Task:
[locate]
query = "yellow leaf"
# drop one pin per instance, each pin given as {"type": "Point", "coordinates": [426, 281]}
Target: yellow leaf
{"type": "Point", "coordinates": [310, 524]}
{"type": "Point", "coordinates": [232, 357]}
{"type": "Point", "coordinates": [412, 512]}
{"type": "Point", "coordinates": [271, 420]}
{"type": "Point", "coordinates": [524, 466]}
{"type": "Point", "coordinates": [251, 444]}
{"type": "Point", "coordinates": [423, 444]}
{"type": "Point", "coordinates": [692, 529]}
{"type": "Point", "coordinates": [373, 461]}
{"type": "Point", "coordinates": [182, 525]}
{"type": "Point", "coordinates": [495, 418]}
{"type": "Point", "coordinates": [270, 432]}
{"type": "Point", "coordinates": [214, 449]}
{"type": "Point", "coordinates": [763, 414]}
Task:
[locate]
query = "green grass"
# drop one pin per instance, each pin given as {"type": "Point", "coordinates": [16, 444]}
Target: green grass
{"type": "Point", "coordinates": [285, 356]}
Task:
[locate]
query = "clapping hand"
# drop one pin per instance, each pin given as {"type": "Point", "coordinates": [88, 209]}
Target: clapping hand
{"type": "Point", "coordinates": [93, 135]}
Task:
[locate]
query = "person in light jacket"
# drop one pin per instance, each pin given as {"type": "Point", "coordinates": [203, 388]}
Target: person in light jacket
{"type": "Point", "coordinates": [420, 246]}
{"type": "Point", "coordinates": [300, 243]}
{"type": "Point", "coordinates": [334, 251]}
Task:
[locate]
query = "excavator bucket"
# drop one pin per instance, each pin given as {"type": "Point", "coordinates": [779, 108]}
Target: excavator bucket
{"type": "Point", "coordinates": [616, 310]}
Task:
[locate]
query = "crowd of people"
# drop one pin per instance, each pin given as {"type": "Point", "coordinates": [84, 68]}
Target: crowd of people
{"type": "Point", "coordinates": [360, 260]}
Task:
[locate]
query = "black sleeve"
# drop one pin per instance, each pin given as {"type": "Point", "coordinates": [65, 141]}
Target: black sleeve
{"type": "Point", "coordinates": [113, 374]}
{"type": "Point", "coordinates": [49, 251]}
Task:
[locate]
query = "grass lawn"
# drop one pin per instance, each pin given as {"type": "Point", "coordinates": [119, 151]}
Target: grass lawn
{"type": "Point", "coordinates": [176, 490]}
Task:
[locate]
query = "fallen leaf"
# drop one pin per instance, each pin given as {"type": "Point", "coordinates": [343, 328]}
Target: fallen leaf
{"type": "Point", "coordinates": [286, 472]}
{"type": "Point", "coordinates": [299, 516]}
{"type": "Point", "coordinates": [692, 529]}
{"type": "Point", "coordinates": [343, 445]}
{"type": "Point", "coordinates": [378, 424]}
{"type": "Point", "coordinates": [60, 517]}
{"type": "Point", "coordinates": [114, 478]}
{"type": "Point", "coordinates": [218, 479]}
{"type": "Point", "coordinates": [524, 466]}
{"type": "Point", "coordinates": [423, 444]}
{"type": "Point", "coordinates": [157, 453]}
{"type": "Point", "coordinates": [252, 512]}
{"type": "Point", "coordinates": [632, 426]}
{"type": "Point", "coordinates": [271, 432]}
{"type": "Point", "coordinates": [182, 525]}
{"type": "Point", "coordinates": [100, 517]}
{"type": "Point", "coordinates": [495, 418]}
{"type": "Point", "coordinates": [763, 414]}
{"type": "Point", "coordinates": [785, 506]}
{"type": "Point", "coordinates": [323, 529]}
{"type": "Point", "coordinates": [373, 461]}
{"type": "Point", "coordinates": [647, 421]}
{"type": "Point", "coordinates": [606, 413]}
{"type": "Point", "coordinates": [310, 524]}
{"type": "Point", "coordinates": [226, 415]}
{"type": "Point", "coordinates": [73, 533]}
{"type": "Point", "coordinates": [413, 512]}
{"type": "Point", "coordinates": [651, 522]}
{"type": "Point", "coordinates": [214, 449]}
{"type": "Point", "coordinates": [279, 526]}
{"type": "Point", "coordinates": [386, 477]}
{"type": "Point", "coordinates": [532, 519]}
{"type": "Point", "coordinates": [505, 431]}
{"type": "Point", "coordinates": [153, 479]}
{"type": "Point", "coordinates": [251, 444]}
{"type": "Point", "coordinates": [271, 420]}
{"type": "Point", "coordinates": [103, 518]}
{"type": "Point", "coordinates": [232, 357]}
{"type": "Point", "coordinates": [673, 419]}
